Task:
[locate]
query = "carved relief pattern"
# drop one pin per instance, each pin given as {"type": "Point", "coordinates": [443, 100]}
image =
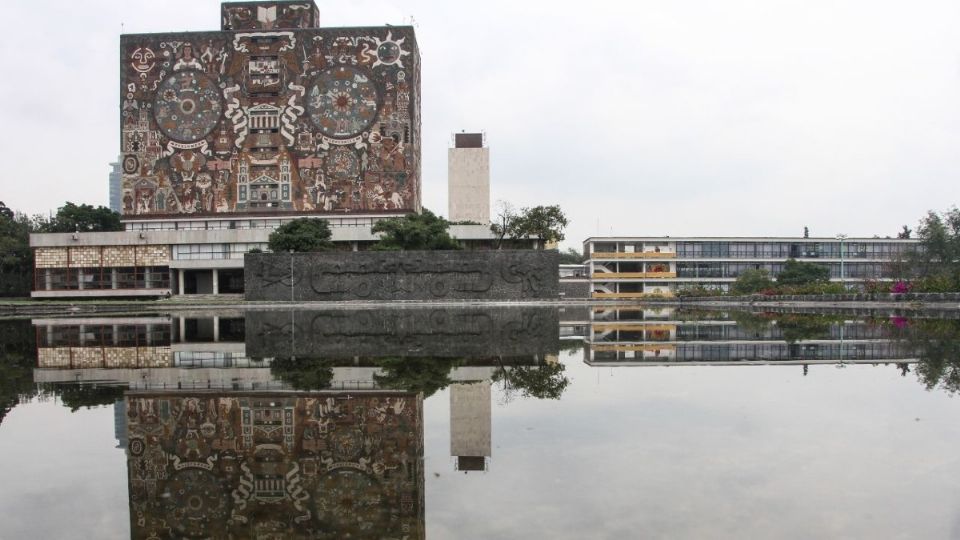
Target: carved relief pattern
{"type": "Point", "coordinates": [272, 116]}
{"type": "Point", "coordinates": [408, 275]}
{"type": "Point", "coordinates": [323, 465]}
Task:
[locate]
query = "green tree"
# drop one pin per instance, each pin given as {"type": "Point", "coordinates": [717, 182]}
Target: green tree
{"type": "Point", "coordinates": [752, 281]}
{"type": "Point", "coordinates": [802, 273]}
{"type": "Point", "coordinates": [301, 235]}
{"type": "Point", "coordinates": [303, 373]}
{"type": "Point", "coordinates": [424, 231]}
{"type": "Point", "coordinates": [546, 381]}
{"type": "Point", "coordinates": [545, 223]}
{"type": "Point", "coordinates": [82, 218]}
{"type": "Point", "coordinates": [506, 224]}
{"type": "Point", "coordinates": [415, 374]}
{"type": "Point", "coordinates": [16, 257]}
{"type": "Point", "coordinates": [18, 357]}
{"type": "Point", "coordinates": [938, 259]}
{"type": "Point", "coordinates": [571, 256]}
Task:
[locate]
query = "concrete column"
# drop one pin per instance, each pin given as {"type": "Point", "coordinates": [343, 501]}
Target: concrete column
{"type": "Point", "coordinates": [149, 334]}
{"type": "Point", "coordinates": [180, 281]}
{"type": "Point", "coordinates": [116, 332]}
{"type": "Point", "coordinates": [183, 328]}
{"type": "Point", "coordinates": [114, 279]}
{"type": "Point", "coordinates": [82, 331]}
{"type": "Point", "coordinates": [354, 246]}
{"type": "Point", "coordinates": [216, 282]}
{"type": "Point", "coordinates": [80, 279]}
{"type": "Point", "coordinates": [47, 280]}
{"type": "Point", "coordinates": [146, 277]}
{"type": "Point", "coordinates": [216, 319]}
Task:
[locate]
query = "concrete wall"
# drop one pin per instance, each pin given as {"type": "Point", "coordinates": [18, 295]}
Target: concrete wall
{"type": "Point", "coordinates": [468, 184]}
{"type": "Point", "coordinates": [402, 275]}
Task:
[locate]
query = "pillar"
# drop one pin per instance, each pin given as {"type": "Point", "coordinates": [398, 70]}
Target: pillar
{"type": "Point", "coordinates": [216, 319]}
{"type": "Point", "coordinates": [47, 280]}
{"type": "Point", "coordinates": [180, 280]}
{"type": "Point", "coordinates": [80, 279]}
{"type": "Point", "coordinates": [354, 246]}
{"type": "Point", "coordinates": [114, 279]}
{"type": "Point", "coordinates": [183, 327]}
{"type": "Point", "coordinates": [147, 277]}
{"type": "Point", "coordinates": [216, 282]}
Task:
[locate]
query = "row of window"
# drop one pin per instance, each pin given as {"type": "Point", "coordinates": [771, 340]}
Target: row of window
{"type": "Point", "coordinates": [188, 252]}
{"type": "Point", "coordinates": [237, 224]}
{"type": "Point", "coordinates": [771, 351]}
{"type": "Point", "coordinates": [767, 250]}
{"type": "Point", "coordinates": [126, 277]}
{"type": "Point", "coordinates": [90, 335]}
{"type": "Point", "coordinates": [853, 270]}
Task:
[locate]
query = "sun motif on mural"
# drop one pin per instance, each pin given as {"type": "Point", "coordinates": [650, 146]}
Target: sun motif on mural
{"type": "Point", "coordinates": [343, 102]}
{"type": "Point", "coordinates": [389, 51]}
{"type": "Point", "coordinates": [188, 106]}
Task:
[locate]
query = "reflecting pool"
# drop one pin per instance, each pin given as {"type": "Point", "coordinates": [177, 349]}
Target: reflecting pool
{"type": "Point", "coordinates": [504, 422]}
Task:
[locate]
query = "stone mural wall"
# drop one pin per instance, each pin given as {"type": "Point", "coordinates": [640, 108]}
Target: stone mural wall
{"type": "Point", "coordinates": [402, 275]}
{"type": "Point", "coordinates": [275, 465]}
{"type": "Point", "coordinates": [270, 115]}
{"type": "Point", "coordinates": [419, 332]}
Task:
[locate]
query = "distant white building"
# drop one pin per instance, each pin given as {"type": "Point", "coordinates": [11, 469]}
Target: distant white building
{"type": "Point", "coordinates": [115, 188]}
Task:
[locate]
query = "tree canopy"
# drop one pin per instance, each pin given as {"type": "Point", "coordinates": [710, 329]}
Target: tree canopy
{"type": "Point", "coordinates": [938, 259]}
{"type": "Point", "coordinates": [545, 223]}
{"type": "Point", "coordinates": [424, 231]}
{"type": "Point", "coordinates": [301, 235]}
{"type": "Point", "coordinates": [802, 273]}
{"type": "Point", "coordinates": [16, 258]}
{"type": "Point", "coordinates": [752, 281]}
{"type": "Point", "coordinates": [83, 218]}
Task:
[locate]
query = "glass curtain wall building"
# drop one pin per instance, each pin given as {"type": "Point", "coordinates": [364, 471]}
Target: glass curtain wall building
{"type": "Point", "coordinates": [634, 267]}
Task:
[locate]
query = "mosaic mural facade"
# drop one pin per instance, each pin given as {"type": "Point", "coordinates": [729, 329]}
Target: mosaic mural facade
{"type": "Point", "coordinates": [270, 115]}
{"type": "Point", "coordinates": [276, 465]}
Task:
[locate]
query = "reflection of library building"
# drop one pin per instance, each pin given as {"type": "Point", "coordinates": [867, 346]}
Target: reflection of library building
{"type": "Point", "coordinates": [633, 267]}
{"type": "Point", "coordinates": [226, 135]}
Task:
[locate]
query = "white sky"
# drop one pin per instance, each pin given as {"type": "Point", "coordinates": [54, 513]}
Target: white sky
{"type": "Point", "coordinates": [638, 118]}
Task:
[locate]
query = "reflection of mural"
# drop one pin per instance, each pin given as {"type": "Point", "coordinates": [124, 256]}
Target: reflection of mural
{"type": "Point", "coordinates": [275, 115]}
{"type": "Point", "coordinates": [323, 465]}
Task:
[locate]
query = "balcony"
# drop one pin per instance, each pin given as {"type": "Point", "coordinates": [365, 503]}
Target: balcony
{"type": "Point", "coordinates": [633, 275]}
{"type": "Point", "coordinates": [635, 255]}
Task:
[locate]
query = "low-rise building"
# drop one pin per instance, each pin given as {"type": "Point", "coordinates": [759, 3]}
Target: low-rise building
{"type": "Point", "coordinates": [635, 267]}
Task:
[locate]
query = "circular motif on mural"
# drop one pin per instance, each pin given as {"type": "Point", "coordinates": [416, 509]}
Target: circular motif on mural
{"type": "Point", "coordinates": [136, 447]}
{"type": "Point", "coordinates": [342, 164]}
{"type": "Point", "coordinates": [193, 500]}
{"type": "Point", "coordinates": [388, 52]}
{"type": "Point", "coordinates": [187, 106]}
{"type": "Point", "coordinates": [352, 501]}
{"type": "Point", "coordinates": [131, 165]}
{"type": "Point", "coordinates": [343, 102]}
{"type": "Point", "coordinates": [347, 444]}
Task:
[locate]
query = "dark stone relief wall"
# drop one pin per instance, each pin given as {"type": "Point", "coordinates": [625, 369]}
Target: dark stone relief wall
{"type": "Point", "coordinates": [414, 332]}
{"type": "Point", "coordinates": [402, 275]}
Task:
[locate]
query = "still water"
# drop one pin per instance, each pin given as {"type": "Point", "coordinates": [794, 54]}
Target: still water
{"type": "Point", "coordinates": [480, 423]}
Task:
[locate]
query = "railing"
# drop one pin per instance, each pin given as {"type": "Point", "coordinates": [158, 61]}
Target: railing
{"type": "Point", "coordinates": [600, 295]}
{"type": "Point", "coordinates": [634, 347]}
{"type": "Point", "coordinates": [634, 255]}
{"type": "Point", "coordinates": [633, 275]}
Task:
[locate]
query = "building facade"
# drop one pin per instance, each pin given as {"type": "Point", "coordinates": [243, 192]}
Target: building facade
{"type": "Point", "coordinates": [114, 186]}
{"type": "Point", "coordinates": [635, 267]}
{"type": "Point", "coordinates": [227, 135]}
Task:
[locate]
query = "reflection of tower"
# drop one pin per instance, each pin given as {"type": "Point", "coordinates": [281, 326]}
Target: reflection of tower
{"type": "Point", "coordinates": [468, 179]}
{"type": "Point", "coordinates": [120, 423]}
{"type": "Point", "coordinates": [470, 425]}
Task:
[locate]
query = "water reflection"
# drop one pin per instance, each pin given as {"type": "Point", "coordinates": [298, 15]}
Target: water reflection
{"type": "Point", "coordinates": [280, 424]}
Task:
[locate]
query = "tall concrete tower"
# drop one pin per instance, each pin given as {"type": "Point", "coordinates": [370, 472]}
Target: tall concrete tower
{"type": "Point", "coordinates": [468, 179]}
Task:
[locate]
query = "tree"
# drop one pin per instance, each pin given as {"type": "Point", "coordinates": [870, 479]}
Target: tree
{"type": "Point", "coordinates": [415, 374]}
{"type": "Point", "coordinates": [571, 256]}
{"type": "Point", "coordinates": [905, 233]}
{"type": "Point", "coordinates": [752, 281]}
{"type": "Point", "coordinates": [506, 224]}
{"type": "Point", "coordinates": [303, 373]}
{"type": "Point", "coordinates": [806, 232]}
{"type": "Point", "coordinates": [938, 258]}
{"type": "Point", "coordinates": [16, 257]}
{"type": "Point", "coordinates": [424, 231]}
{"type": "Point", "coordinates": [301, 235]}
{"type": "Point", "coordinates": [545, 223]}
{"type": "Point", "coordinates": [82, 218]}
{"type": "Point", "coordinates": [545, 381]}
{"type": "Point", "coordinates": [801, 273]}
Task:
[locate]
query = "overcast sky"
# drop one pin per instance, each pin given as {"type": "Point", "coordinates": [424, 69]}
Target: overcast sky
{"type": "Point", "coordinates": [638, 118]}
